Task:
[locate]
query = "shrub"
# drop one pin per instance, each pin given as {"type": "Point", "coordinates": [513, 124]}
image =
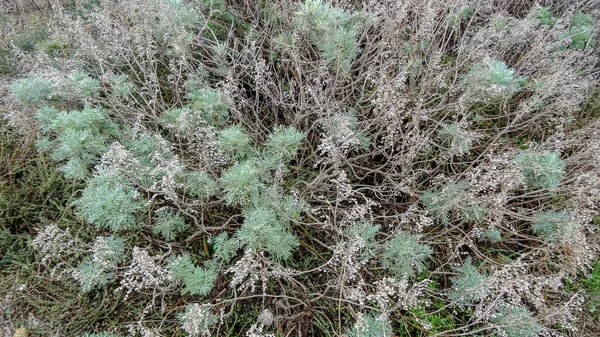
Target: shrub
{"type": "Point", "coordinates": [403, 254]}
{"type": "Point", "coordinates": [196, 281]}
{"type": "Point", "coordinates": [550, 226]}
{"type": "Point", "coordinates": [468, 286]}
{"type": "Point", "coordinates": [514, 321]}
{"type": "Point", "coordinates": [168, 224]}
{"type": "Point", "coordinates": [241, 182]}
{"type": "Point", "coordinates": [492, 79]}
{"type": "Point", "coordinates": [581, 33]}
{"type": "Point", "coordinates": [264, 229]}
{"type": "Point", "coordinates": [541, 170]}
{"type": "Point", "coordinates": [370, 326]}
{"type": "Point", "coordinates": [33, 91]}
{"type": "Point", "coordinates": [332, 29]}
{"type": "Point", "coordinates": [108, 202]}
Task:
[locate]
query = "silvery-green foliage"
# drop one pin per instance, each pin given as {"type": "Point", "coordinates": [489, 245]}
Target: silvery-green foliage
{"type": "Point", "coordinates": [367, 232]}
{"type": "Point", "coordinates": [468, 286]}
{"type": "Point", "coordinates": [370, 326]}
{"type": "Point", "coordinates": [78, 137]}
{"type": "Point", "coordinates": [169, 224]}
{"type": "Point", "coordinates": [121, 86]}
{"type": "Point", "coordinates": [234, 142]}
{"type": "Point", "coordinates": [403, 254]}
{"type": "Point", "coordinates": [541, 170]}
{"type": "Point", "coordinates": [515, 321]}
{"type": "Point", "coordinates": [491, 79]}
{"type": "Point", "coordinates": [91, 275]}
{"type": "Point", "coordinates": [109, 251]}
{"type": "Point", "coordinates": [290, 207]}
{"type": "Point", "coordinates": [183, 122]}
{"type": "Point", "coordinates": [450, 198]}
{"type": "Point", "coordinates": [109, 202]}
{"type": "Point", "coordinates": [225, 248]}
{"type": "Point", "coordinates": [145, 158]}
{"type": "Point", "coordinates": [581, 33]}
{"type": "Point", "coordinates": [341, 135]}
{"type": "Point", "coordinates": [212, 104]}
{"type": "Point", "coordinates": [241, 182]}
{"type": "Point", "coordinates": [491, 235]}
{"type": "Point", "coordinates": [33, 91]}
{"type": "Point", "coordinates": [85, 84]}
{"type": "Point", "coordinates": [198, 185]}
{"type": "Point", "coordinates": [196, 280]}
{"type": "Point", "coordinates": [265, 229]}
{"type": "Point", "coordinates": [545, 16]}
{"type": "Point", "coordinates": [550, 226]}
{"type": "Point", "coordinates": [284, 142]}
{"type": "Point", "coordinates": [333, 30]}
{"type": "Point", "coordinates": [458, 140]}
{"type": "Point", "coordinates": [474, 213]}
{"type": "Point", "coordinates": [198, 319]}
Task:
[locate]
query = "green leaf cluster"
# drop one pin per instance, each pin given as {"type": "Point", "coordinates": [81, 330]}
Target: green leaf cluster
{"type": "Point", "coordinates": [76, 137]}
{"type": "Point", "coordinates": [515, 321]}
{"type": "Point", "coordinates": [468, 286]}
{"type": "Point", "coordinates": [403, 254]}
{"type": "Point", "coordinates": [196, 280]}
{"type": "Point", "coordinates": [169, 224]}
{"type": "Point", "coordinates": [581, 33]}
{"type": "Point", "coordinates": [108, 202]}
{"type": "Point", "coordinates": [550, 226]}
{"type": "Point", "coordinates": [333, 30]}
{"type": "Point", "coordinates": [33, 91]}
{"type": "Point", "coordinates": [541, 170]}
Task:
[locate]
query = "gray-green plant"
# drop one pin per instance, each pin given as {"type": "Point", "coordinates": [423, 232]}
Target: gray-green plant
{"type": "Point", "coordinates": [198, 185]}
{"type": "Point", "coordinates": [515, 321]}
{"type": "Point", "coordinates": [333, 30]}
{"type": "Point", "coordinates": [370, 326]}
{"type": "Point", "coordinates": [212, 104]}
{"type": "Point", "coordinates": [284, 142]}
{"type": "Point", "coordinates": [84, 83]}
{"type": "Point", "coordinates": [234, 143]}
{"type": "Point", "coordinates": [241, 182]}
{"type": "Point", "coordinates": [458, 140]}
{"type": "Point", "coordinates": [121, 86]}
{"type": "Point", "coordinates": [92, 275]}
{"type": "Point", "coordinates": [451, 197]}
{"type": "Point", "coordinates": [491, 235]}
{"type": "Point", "coordinates": [168, 224]}
{"type": "Point", "coordinates": [550, 226]}
{"type": "Point", "coordinates": [109, 202]}
{"type": "Point", "coordinates": [581, 33]}
{"type": "Point", "coordinates": [100, 334]}
{"type": "Point", "coordinates": [76, 138]}
{"type": "Point", "coordinates": [34, 90]}
{"type": "Point", "coordinates": [468, 287]}
{"type": "Point", "coordinates": [492, 79]}
{"type": "Point", "coordinates": [541, 170]}
{"type": "Point", "coordinates": [265, 229]}
{"type": "Point", "coordinates": [403, 254]}
{"type": "Point", "coordinates": [195, 280]}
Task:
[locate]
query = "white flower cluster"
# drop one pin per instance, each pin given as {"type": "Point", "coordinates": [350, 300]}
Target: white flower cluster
{"type": "Point", "coordinates": [52, 242]}
{"type": "Point", "coordinates": [196, 320]}
{"type": "Point", "coordinates": [252, 268]}
{"type": "Point", "coordinates": [144, 272]}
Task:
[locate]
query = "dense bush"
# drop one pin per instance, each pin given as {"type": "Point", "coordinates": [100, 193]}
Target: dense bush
{"type": "Point", "coordinates": [321, 168]}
